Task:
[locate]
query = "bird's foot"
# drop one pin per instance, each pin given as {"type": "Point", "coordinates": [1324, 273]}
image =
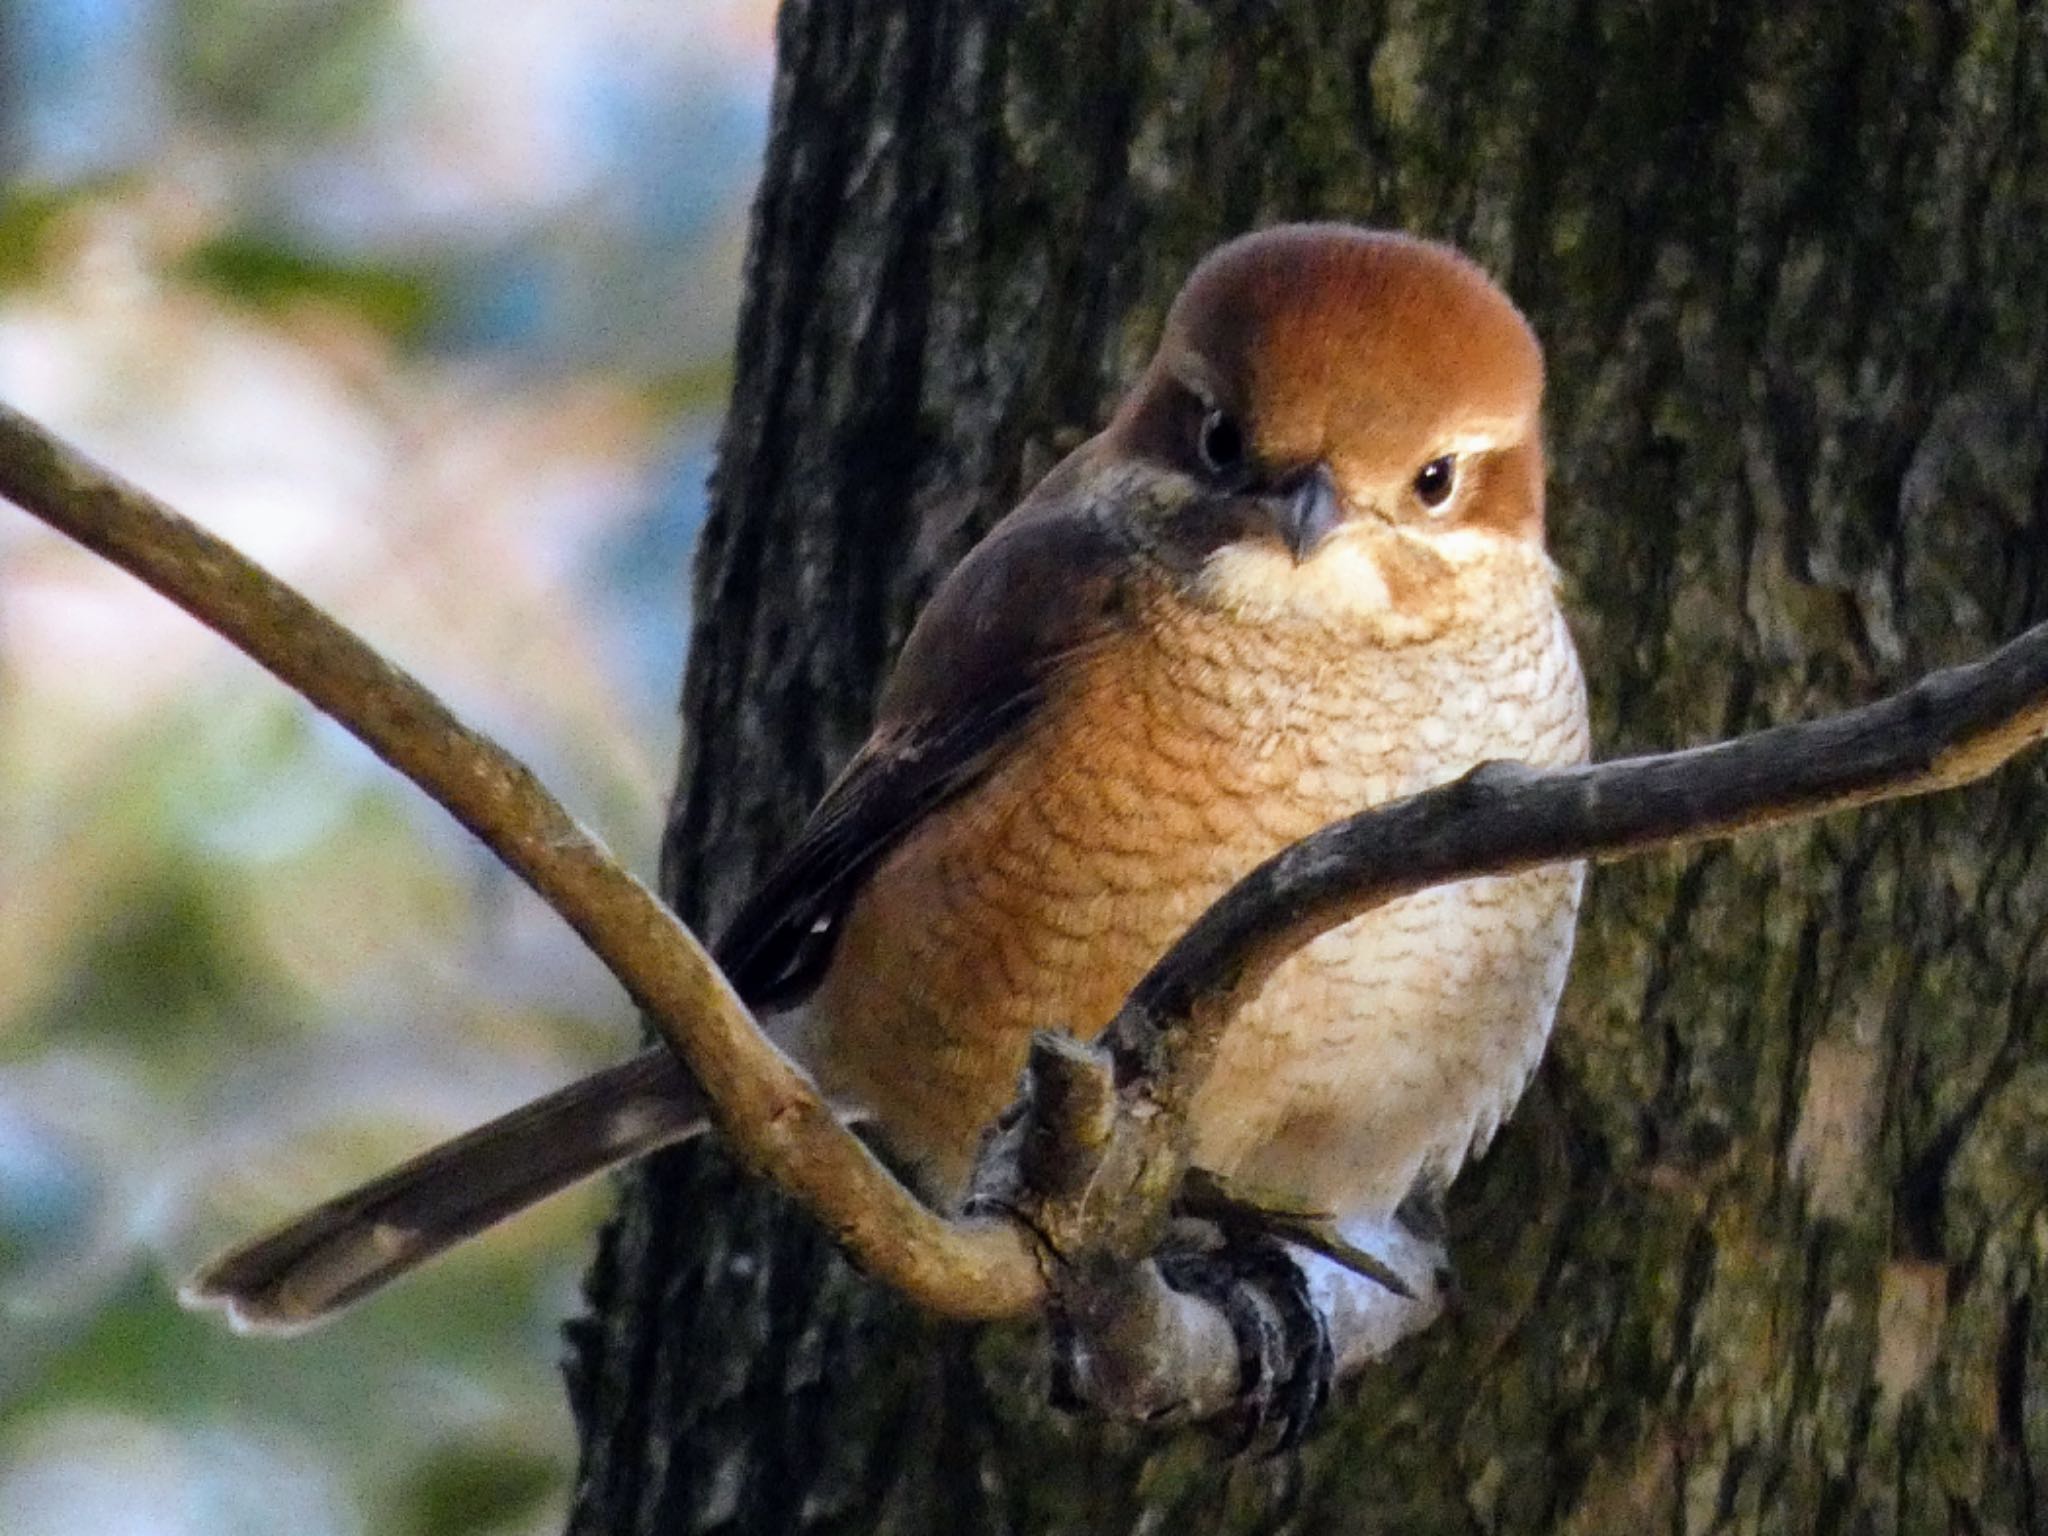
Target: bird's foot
{"type": "Point", "coordinates": [1373, 1280]}
{"type": "Point", "coordinates": [1245, 1312]}
{"type": "Point", "coordinates": [1285, 1362]}
{"type": "Point", "coordinates": [1229, 1322]}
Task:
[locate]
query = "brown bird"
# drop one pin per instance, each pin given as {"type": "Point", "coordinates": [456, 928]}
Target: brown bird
{"type": "Point", "coordinates": [1300, 572]}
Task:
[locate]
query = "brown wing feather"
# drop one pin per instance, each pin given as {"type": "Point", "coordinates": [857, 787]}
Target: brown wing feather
{"type": "Point", "coordinates": [1035, 596]}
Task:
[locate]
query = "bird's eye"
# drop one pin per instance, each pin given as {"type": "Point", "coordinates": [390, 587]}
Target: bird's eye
{"type": "Point", "coordinates": [1221, 444]}
{"type": "Point", "coordinates": [1435, 481]}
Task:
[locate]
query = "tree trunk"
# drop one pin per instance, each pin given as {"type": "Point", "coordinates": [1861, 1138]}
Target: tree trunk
{"type": "Point", "coordinates": [1759, 1252]}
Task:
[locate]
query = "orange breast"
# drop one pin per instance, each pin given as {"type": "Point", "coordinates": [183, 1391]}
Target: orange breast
{"type": "Point", "coordinates": [1166, 769]}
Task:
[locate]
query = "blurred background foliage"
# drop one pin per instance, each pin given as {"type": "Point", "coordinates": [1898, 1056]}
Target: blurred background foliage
{"type": "Point", "coordinates": [426, 304]}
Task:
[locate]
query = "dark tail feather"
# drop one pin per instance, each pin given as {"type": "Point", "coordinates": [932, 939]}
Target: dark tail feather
{"type": "Point", "coordinates": [357, 1242]}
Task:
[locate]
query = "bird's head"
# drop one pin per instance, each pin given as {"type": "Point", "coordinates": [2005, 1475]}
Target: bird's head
{"type": "Point", "coordinates": [1345, 414]}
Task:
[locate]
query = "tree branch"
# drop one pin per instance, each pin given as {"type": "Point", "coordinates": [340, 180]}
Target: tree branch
{"type": "Point", "coordinates": [1093, 1155]}
{"type": "Point", "coordinates": [768, 1109]}
{"type": "Point", "coordinates": [1948, 729]}
{"type": "Point", "coordinates": [1098, 1135]}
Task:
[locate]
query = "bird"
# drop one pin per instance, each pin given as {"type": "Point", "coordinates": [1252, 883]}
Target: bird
{"type": "Point", "coordinates": [1301, 571]}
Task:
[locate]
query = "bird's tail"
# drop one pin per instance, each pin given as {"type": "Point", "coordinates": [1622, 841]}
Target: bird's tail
{"type": "Point", "coordinates": [340, 1252]}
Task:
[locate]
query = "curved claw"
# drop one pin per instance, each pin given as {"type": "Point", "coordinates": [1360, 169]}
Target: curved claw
{"type": "Point", "coordinates": [1284, 1351]}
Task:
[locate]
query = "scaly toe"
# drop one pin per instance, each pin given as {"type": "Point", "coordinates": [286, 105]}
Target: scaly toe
{"type": "Point", "coordinates": [1284, 1353]}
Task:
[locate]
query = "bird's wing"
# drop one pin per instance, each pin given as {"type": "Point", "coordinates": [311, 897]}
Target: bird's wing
{"type": "Point", "coordinates": [995, 643]}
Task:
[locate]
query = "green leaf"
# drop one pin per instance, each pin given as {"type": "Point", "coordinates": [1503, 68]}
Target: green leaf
{"type": "Point", "coordinates": [271, 275]}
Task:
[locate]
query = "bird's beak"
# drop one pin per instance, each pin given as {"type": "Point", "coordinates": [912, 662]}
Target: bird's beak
{"type": "Point", "coordinates": [1307, 510]}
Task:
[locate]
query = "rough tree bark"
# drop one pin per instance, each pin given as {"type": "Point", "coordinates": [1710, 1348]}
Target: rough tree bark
{"type": "Point", "coordinates": [1760, 1252]}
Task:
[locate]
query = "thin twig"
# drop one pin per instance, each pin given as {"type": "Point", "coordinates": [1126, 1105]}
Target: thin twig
{"type": "Point", "coordinates": [767, 1107]}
